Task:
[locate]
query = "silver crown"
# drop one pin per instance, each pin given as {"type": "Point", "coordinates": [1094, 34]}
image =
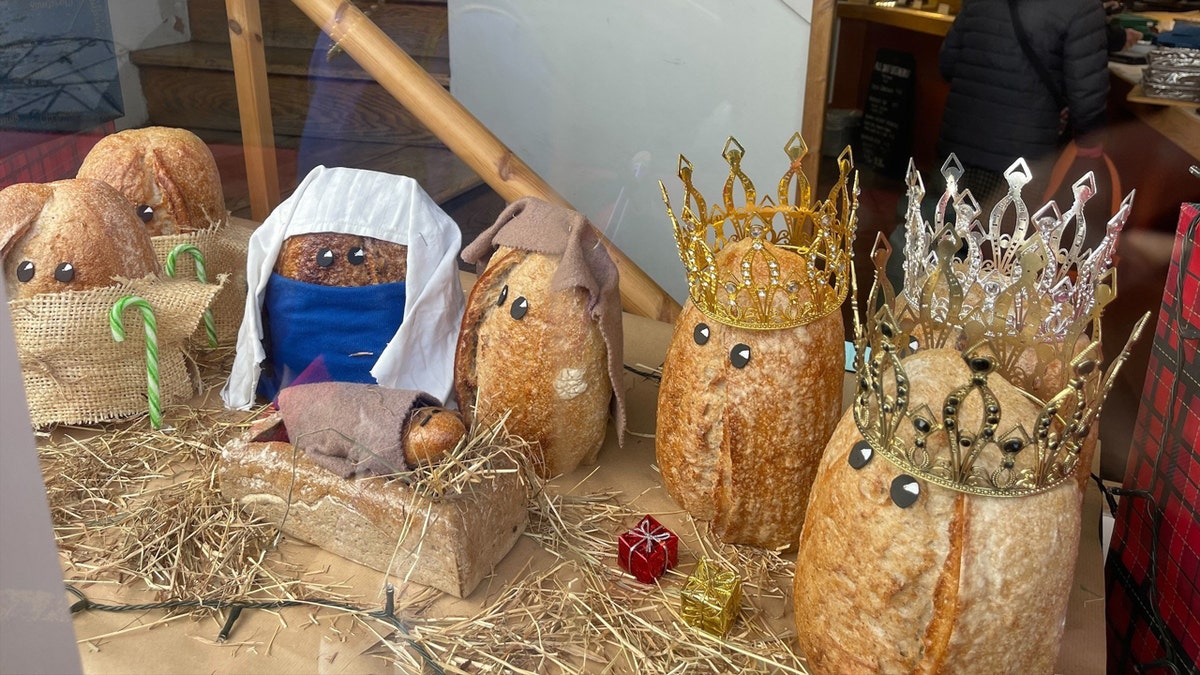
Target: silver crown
{"type": "Point", "coordinates": [999, 273]}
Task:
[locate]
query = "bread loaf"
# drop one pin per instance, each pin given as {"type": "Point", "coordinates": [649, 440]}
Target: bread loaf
{"type": "Point", "coordinates": [168, 175]}
{"type": "Point", "coordinates": [332, 259]}
{"type": "Point", "coordinates": [738, 440]}
{"type": "Point", "coordinates": [69, 235]}
{"type": "Point", "coordinates": [954, 583]}
{"type": "Point", "coordinates": [535, 355]}
{"type": "Point", "coordinates": [449, 543]}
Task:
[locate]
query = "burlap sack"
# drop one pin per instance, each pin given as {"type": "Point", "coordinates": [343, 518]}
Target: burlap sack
{"type": "Point", "coordinates": [224, 247]}
{"type": "Point", "coordinates": [75, 372]}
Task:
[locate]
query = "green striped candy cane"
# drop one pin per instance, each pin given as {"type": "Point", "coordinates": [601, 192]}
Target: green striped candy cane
{"type": "Point", "coordinates": [210, 327]}
{"type": "Point", "coordinates": [153, 393]}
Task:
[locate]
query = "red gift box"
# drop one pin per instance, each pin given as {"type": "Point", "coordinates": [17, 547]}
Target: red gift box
{"type": "Point", "coordinates": [648, 550]}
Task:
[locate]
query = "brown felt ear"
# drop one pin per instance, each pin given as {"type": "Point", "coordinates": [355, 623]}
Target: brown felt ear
{"type": "Point", "coordinates": [20, 206]}
{"type": "Point", "coordinates": [483, 300]}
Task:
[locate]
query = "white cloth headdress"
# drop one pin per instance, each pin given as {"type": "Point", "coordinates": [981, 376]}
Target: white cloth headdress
{"type": "Point", "coordinates": [371, 204]}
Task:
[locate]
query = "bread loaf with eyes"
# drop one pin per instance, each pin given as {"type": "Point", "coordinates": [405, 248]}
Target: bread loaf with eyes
{"type": "Point", "coordinates": [534, 355]}
{"type": "Point", "coordinates": [540, 346]}
{"type": "Point", "coordinates": [168, 175]}
{"type": "Point", "coordinates": [954, 583]}
{"type": "Point", "coordinates": [347, 260]}
{"type": "Point", "coordinates": [743, 416]}
{"type": "Point", "coordinates": [69, 235]}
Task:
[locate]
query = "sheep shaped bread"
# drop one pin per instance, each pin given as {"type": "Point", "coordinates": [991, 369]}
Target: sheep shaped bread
{"type": "Point", "coordinates": [74, 255]}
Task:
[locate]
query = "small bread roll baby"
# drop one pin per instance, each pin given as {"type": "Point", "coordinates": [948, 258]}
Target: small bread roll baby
{"type": "Point", "coordinates": [541, 339]}
{"type": "Point", "coordinates": [69, 235]}
{"type": "Point", "coordinates": [168, 175]}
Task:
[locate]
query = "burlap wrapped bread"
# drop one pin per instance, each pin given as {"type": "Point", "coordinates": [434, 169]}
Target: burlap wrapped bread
{"type": "Point", "coordinates": [743, 415]}
{"type": "Point", "coordinates": [168, 175]}
{"type": "Point", "coordinates": [953, 583]}
{"type": "Point", "coordinates": [355, 429]}
{"type": "Point", "coordinates": [541, 339]}
{"type": "Point", "coordinates": [69, 249]}
{"type": "Point", "coordinates": [69, 235]}
{"type": "Point", "coordinates": [172, 184]}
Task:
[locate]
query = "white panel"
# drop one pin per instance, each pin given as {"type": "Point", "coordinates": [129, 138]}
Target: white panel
{"type": "Point", "coordinates": [600, 98]}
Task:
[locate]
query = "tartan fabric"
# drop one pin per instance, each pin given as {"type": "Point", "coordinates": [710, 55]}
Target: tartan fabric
{"type": "Point", "coordinates": [42, 157]}
{"type": "Point", "coordinates": [1153, 617]}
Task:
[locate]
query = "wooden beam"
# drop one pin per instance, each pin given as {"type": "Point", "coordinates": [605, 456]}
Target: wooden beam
{"type": "Point", "coordinates": [901, 17]}
{"type": "Point", "coordinates": [465, 135]}
{"type": "Point", "coordinates": [816, 86]}
{"type": "Point", "coordinates": [254, 105]}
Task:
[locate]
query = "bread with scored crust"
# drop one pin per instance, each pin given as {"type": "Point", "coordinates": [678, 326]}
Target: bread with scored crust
{"type": "Point", "coordinates": [169, 170]}
{"type": "Point", "coordinates": [740, 446]}
{"type": "Point", "coordinates": [82, 223]}
{"type": "Point", "coordinates": [953, 584]}
{"type": "Point", "coordinates": [546, 370]}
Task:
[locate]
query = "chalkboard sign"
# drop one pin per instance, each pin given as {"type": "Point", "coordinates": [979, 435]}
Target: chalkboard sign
{"type": "Point", "coordinates": [887, 124]}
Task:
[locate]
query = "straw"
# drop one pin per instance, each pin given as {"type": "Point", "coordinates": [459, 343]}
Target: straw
{"type": "Point", "coordinates": [116, 323]}
{"type": "Point", "coordinates": [210, 325]}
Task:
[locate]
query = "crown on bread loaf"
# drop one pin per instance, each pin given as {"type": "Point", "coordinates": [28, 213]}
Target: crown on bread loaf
{"type": "Point", "coordinates": [754, 292]}
{"type": "Point", "coordinates": [1015, 302]}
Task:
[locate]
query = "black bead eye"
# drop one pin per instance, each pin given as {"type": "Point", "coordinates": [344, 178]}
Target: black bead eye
{"type": "Point", "coordinates": [65, 272]}
{"type": "Point", "coordinates": [519, 307]}
{"type": "Point", "coordinates": [503, 296]}
{"type": "Point", "coordinates": [324, 257]}
{"type": "Point", "coordinates": [701, 334]}
{"type": "Point", "coordinates": [356, 256]}
{"type": "Point", "coordinates": [861, 454]}
{"type": "Point", "coordinates": [25, 271]}
{"type": "Point", "coordinates": [739, 356]}
{"type": "Point", "coordinates": [144, 212]}
{"type": "Point", "coordinates": [905, 490]}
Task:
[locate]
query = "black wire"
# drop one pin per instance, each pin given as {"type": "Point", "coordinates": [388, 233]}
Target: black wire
{"type": "Point", "coordinates": [386, 615]}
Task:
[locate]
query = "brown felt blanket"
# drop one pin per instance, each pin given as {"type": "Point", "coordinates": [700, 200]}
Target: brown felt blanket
{"type": "Point", "coordinates": [350, 428]}
{"type": "Point", "coordinates": [530, 224]}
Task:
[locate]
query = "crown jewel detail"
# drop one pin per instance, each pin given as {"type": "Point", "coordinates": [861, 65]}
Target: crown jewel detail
{"type": "Point", "coordinates": [755, 290]}
{"type": "Point", "coordinates": [1013, 301]}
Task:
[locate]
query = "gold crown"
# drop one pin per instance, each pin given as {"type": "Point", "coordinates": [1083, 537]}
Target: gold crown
{"type": "Point", "coordinates": [755, 290]}
{"type": "Point", "coordinates": [1004, 300]}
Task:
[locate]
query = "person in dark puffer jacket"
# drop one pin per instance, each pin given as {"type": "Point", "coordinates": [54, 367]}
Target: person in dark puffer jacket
{"type": "Point", "coordinates": [998, 108]}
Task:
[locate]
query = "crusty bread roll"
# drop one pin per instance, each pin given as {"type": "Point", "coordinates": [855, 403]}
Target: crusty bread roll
{"type": "Point", "coordinates": [170, 171]}
{"type": "Point", "coordinates": [537, 356]}
{"type": "Point", "coordinates": [954, 583]}
{"type": "Point", "coordinates": [69, 235]}
{"type": "Point", "coordinates": [739, 445]}
{"type": "Point", "coordinates": [333, 259]}
{"type": "Point", "coordinates": [431, 433]}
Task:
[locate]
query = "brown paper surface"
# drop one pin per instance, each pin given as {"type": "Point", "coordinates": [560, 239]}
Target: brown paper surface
{"type": "Point", "coordinates": [304, 640]}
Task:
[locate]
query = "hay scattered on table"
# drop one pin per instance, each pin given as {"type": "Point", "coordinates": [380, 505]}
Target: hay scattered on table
{"type": "Point", "coordinates": [584, 612]}
{"type": "Point", "coordinates": [132, 504]}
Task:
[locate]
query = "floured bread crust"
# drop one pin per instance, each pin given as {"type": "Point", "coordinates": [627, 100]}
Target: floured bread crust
{"type": "Point", "coordinates": [952, 584]}
{"type": "Point", "coordinates": [547, 370]}
{"type": "Point", "coordinates": [69, 235]}
{"type": "Point", "coordinates": [169, 170]}
{"type": "Point", "coordinates": [739, 445]}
